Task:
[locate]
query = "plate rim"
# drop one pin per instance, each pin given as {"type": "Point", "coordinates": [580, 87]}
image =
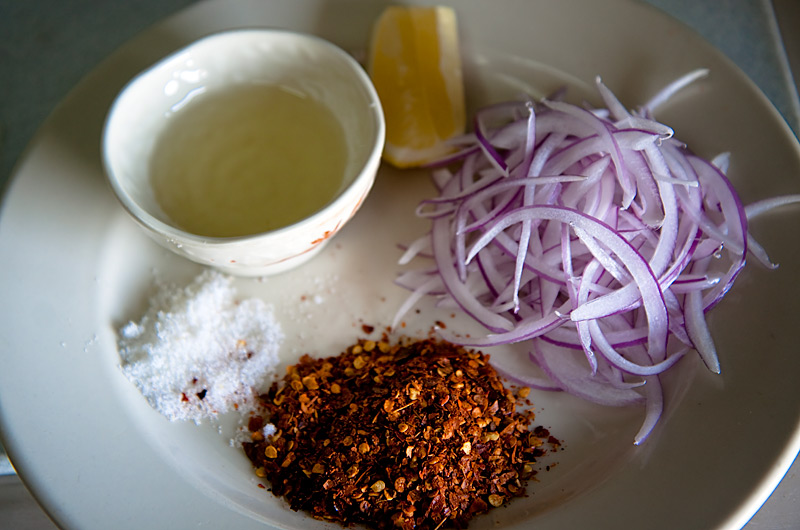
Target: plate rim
{"type": "Point", "coordinates": [771, 477]}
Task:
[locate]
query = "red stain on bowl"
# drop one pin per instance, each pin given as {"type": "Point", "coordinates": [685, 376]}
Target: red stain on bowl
{"type": "Point", "coordinates": [326, 235]}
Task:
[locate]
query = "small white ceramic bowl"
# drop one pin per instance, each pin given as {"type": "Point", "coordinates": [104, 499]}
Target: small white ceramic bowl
{"type": "Point", "coordinates": [222, 60]}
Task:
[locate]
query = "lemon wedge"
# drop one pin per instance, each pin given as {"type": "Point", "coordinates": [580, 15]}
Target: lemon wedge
{"type": "Point", "coordinates": [415, 64]}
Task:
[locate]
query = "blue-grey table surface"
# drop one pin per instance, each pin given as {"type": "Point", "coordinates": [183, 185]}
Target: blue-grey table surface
{"type": "Point", "coordinates": [48, 46]}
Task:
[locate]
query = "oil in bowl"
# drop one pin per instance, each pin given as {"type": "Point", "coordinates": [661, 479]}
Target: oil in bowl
{"type": "Point", "coordinates": [247, 150]}
{"type": "Point", "coordinates": [248, 159]}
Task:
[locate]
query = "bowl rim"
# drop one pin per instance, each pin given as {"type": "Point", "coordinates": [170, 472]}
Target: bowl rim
{"type": "Point", "coordinates": [176, 234]}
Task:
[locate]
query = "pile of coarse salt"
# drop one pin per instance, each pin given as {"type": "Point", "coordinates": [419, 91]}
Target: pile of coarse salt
{"type": "Point", "coordinates": [198, 351]}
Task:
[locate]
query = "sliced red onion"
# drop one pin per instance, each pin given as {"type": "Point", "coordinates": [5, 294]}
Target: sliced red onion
{"type": "Point", "coordinates": [593, 236]}
{"type": "Point", "coordinates": [758, 208]}
{"type": "Point", "coordinates": [670, 90]}
{"type": "Point", "coordinates": [566, 370]}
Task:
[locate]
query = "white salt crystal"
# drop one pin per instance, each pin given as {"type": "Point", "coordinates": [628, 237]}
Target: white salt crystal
{"type": "Point", "coordinates": [198, 352]}
{"type": "Point", "coordinates": [269, 430]}
{"type": "Point", "coordinates": [131, 330]}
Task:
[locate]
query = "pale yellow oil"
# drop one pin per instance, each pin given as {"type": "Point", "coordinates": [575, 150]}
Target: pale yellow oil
{"type": "Point", "coordinates": [248, 160]}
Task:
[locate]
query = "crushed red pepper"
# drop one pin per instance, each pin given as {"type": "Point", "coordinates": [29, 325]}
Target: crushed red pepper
{"type": "Point", "coordinates": [421, 434]}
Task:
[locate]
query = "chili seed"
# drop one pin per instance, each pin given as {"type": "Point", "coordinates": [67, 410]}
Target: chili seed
{"type": "Point", "coordinates": [495, 500]}
{"type": "Point", "coordinates": [310, 382]}
{"type": "Point", "coordinates": [491, 437]}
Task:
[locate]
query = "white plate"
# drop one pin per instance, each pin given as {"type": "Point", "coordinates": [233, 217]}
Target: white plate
{"type": "Point", "coordinates": [75, 268]}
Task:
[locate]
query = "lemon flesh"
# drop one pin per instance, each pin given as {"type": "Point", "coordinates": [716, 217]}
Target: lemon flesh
{"type": "Point", "coordinates": [415, 65]}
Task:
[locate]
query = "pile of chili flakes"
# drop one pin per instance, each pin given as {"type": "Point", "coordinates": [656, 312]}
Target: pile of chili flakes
{"type": "Point", "coordinates": [421, 434]}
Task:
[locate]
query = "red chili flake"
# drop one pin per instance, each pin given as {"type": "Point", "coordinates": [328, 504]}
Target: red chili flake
{"type": "Point", "coordinates": [417, 435]}
{"type": "Point", "coordinates": [366, 328]}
